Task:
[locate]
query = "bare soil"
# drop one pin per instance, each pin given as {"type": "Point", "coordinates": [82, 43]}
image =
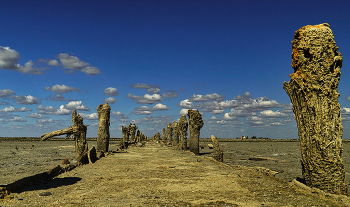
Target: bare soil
{"type": "Point", "coordinates": [156, 175]}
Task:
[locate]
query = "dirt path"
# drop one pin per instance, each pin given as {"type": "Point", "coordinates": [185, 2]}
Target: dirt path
{"type": "Point", "coordinates": [162, 176]}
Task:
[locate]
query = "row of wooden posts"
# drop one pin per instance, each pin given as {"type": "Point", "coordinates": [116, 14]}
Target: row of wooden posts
{"type": "Point", "coordinates": [175, 134]}
{"type": "Point", "coordinates": [131, 134]}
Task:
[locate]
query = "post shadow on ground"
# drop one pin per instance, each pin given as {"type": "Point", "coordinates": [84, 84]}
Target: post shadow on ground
{"type": "Point", "coordinates": [42, 180]}
{"type": "Point", "coordinates": [54, 183]}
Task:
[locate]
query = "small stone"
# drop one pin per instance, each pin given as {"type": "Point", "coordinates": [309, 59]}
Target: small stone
{"type": "Point", "coordinates": [65, 161]}
{"type": "Point", "coordinates": [47, 193]}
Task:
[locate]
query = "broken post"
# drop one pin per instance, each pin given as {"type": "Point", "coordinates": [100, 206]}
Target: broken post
{"type": "Point", "coordinates": [195, 123]}
{"type": "Point", "coordinates": [313, 91]}
{"type": "Point", "coordinates": [103, 127]}
{"type": "Point", "coordinates": [169, 132]}
{"type": "Point", "coordinates": [79, 132]}
{"type": "Point", "coordinates": [217, 153]}
{"type": "Point", "coordinates": [183, 126]}
{"type": "Point", "coordinates": [176, 134]}
{"type": "Point", "coordinates": [81, 146]}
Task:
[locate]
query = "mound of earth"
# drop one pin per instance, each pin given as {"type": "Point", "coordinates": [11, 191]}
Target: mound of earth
{"type": "Point", "coordinates": [157, 175]}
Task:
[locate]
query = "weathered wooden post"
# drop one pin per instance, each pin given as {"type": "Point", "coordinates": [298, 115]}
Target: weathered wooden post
{"type": "Point", "coordinates": [125, 132]}
{"type": "Point", "coordinates": [313, 91]}
{"type": "Point", "coordinates": [157, 137]}
{"type": "Point", "coordinates": [164, 138]}
{"type": "Point", "coordinates": [195, 123]}
{"type": "Point", "coordinates": [169, 133]}
{"type": "Point", "coordinates": [217, 153]}
{"type": "Point", "coordinates": [183, 126]}
{"type": "Point", "coordinates": [132, 131]}
{"type": "Point", "coordinates": [138, 136]}
{"type": "Point", "coordinates": [176, 134]}
{"type": "Point", "coordinates": [79, 132]}
{"type": "Point", "coordinates": [81, 146]}
{"type": "Point", "coordinates": [103, 127]}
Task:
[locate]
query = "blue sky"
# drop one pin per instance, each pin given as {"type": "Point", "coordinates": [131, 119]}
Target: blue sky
{"type": "Point", "coordinates": [153, 60]}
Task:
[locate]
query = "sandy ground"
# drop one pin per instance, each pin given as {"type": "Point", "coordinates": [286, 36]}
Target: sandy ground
{"type": "Point", "coordinates": [156, 175]}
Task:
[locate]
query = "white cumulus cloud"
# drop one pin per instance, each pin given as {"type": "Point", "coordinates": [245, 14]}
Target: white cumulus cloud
{"type": "Point", "coordinates": [261, 103]}
{"type": "Point", "coordinates": [36, 116]}
{"type": "Point", "coordinates": [272, 114]}
{"type": "Point", "coordinates": [78, 105]}
{"type": "Point", "coordinates": [187, 104]}
{"type": "Point", "coordinates": [73, 62]}
{"type": "Point", "coordinates": [208, 97]}
{"type": "Point", "coordinates": [61, 88]}
{"type": "Point", "coordinates": [110, 100]}
{"type": "Point", "coordinates": [13, 109]}
{"type": "Point", "coordinates": [53, 62]}
{"type": "Point", "coordinates": [26, 100]}
{"type": "Point", "coordinates": [160, 106]}
{"type": "Point", "coordinates": [146, 99]}
{"type": "Point", "coordinates": [153, 90]}
{"type": "Point", "coordinates": [111, 91]}
{"type": "Point", "coordinates": [6, 93]}
{"type": "Point", "coordinates": [170, 94]}
{"type": "Point", "coordinates": [92, 116]}
{"type": "Point", "coordinates": [9, 60]}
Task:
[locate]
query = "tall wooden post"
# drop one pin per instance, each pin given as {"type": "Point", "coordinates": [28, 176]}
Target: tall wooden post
{"type": "Point", "coordinates": [169, 133]}
{"type": "Point", "coordinates": [132, 132]}
{"type": "Point", "coordinates": [125, 132]}
{"type": "Point", "coordinates": [195, 123]}
{"type": "Point", "coordinates": [164, 138]}
{"type": "Point", "coordinates": [176, 134]}
{"type": "Point", "coordinates": [313, 91]}
{"type": "Point", "coordinates": [103, 127]}
{"type": "Point", "coordinates": [183, 126]}
{"type": "Point", "coordinates": [81, 146]}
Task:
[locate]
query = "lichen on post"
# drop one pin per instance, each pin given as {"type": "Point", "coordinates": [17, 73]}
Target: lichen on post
{"type": "Point", "coordinates": [182, 127]}
{"type": "Point", "coordinates": [195, 124]}
{"type": "Point", "coordinates": [313, 91]}
{"type": "Point", "coordinates": [103, 127]}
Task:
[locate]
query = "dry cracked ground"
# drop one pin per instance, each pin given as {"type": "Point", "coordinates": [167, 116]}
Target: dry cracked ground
{"type": "Point", "coordinates": [156, 175]}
